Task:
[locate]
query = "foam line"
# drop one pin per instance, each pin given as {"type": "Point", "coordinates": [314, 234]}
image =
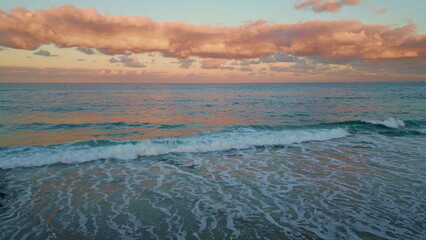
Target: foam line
{"type": "Point", "coordinates": [30, 156]}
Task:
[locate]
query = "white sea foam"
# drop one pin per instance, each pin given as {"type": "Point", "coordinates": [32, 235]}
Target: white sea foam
{"type": "Point", "coordinates": [390, 122]}
{"type": "Point", "coordinates": [126, 150]}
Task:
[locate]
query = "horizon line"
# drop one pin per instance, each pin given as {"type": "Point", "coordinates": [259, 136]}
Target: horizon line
{"type": "Point", "coordinates": [421, 81]}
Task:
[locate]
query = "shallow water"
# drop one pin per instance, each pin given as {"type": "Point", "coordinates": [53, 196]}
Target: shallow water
{"type": "Point", "coordinates": [255, 161]}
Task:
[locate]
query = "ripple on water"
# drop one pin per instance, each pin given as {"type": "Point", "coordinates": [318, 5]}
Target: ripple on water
{"type": "Point", "coordinates": [306, 191]}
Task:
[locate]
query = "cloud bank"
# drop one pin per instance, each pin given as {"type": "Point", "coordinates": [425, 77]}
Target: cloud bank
{"type": "Point", "coordinates": [137, 75]}
{"type": "Point", "coordinates": [68, 26]}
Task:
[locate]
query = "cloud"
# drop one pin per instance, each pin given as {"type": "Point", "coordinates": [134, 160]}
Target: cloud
{"type": "Point", "coordinates": [272, 58]}
{"type": "Point", "coordinates": [113, 60]}
{"type": "Point", "coordinates": [85, 50]}
{"type": "Point", "coordinates": [278, 57]}
{"type": "Point", "coordinates": [127, 60]}
{"type": "Point", "coordinates": [279, 68]}
{"type": "Point", "coordinates": [246, 69]}
{"type": "Point", "coordinates": [133, 63]}
{"type": "Point", "coordinates": [185, 63]}
{"type": "Point", "coordinates": [227, 68]}
{"type": "Point", "coordinates": [380, 11]}
{"type": "Point", "coordinates": [137, 75]}
{"type": "Point", "coordinates": [212, 63]}
{"type": "Point", "coordinates": [68, 26]}
{"type": "Point", "coordinates": [333, 5]}
{"type": "Point", "coordinates": [399, 66]}
{"type": "Point", "coordinates": [325, 5]}
{"type": "Point", "coordinates": [45, 53]}
{"type": "Point", "coordinates": [303, 67]}
{"type": "Point", "coordinates": [31, 74]}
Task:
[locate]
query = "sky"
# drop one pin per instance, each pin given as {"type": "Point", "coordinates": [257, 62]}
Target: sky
{"type": "Point", "coordinates": [193, 41]}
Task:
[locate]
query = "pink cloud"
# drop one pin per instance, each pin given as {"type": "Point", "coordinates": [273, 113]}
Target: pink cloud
{"type": "Point", "coordinates": [381, 11]}
{"type": "Point", "coordinates": [333, 5]}
{"type": "Point", "coordinates": [326, 5]}
{"type": "Point", "coordinates": [212, 63]}
{"type": "Point", "coordinates": [68, 26]}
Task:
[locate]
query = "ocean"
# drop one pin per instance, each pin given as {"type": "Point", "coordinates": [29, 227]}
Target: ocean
{"type": "Point", "coordinates": [213, 161]}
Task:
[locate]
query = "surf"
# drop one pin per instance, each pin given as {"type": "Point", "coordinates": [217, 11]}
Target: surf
{"type": "Point", "coordinates": [78, 152]}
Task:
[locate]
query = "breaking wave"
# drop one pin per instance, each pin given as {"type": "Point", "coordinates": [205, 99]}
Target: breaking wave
{"type": "Point", "coordinates": [77, 152]}
{"type": "Point", "coordinates": [390, 122]}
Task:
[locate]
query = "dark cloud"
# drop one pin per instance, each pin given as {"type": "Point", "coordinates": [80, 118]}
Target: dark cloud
{"type": "Point", "coordinates": [113, 60]}
{"type": "Point", "coordinates": [302, 66]}
{"type": "Point", "coordinates": [271, 58]}
{"type": "Point", "coordinates": [276, 68]}
{"type": "Point", "coordinates": [227, 68]}
{"type": "Point", "coordinates": [134, 64]}
{"type": "Point", "coordinates": [128, 61]}
{"type": "Point", "coordinates": [185, 63]}
{"type": "Point", "coordinates": [45, 53]}
{"type": "Point", "coordinates": [278, 57]}
{"type": "Point", "coordinates": [85, 50]}
{"type": "Point", "coordinates": [401, 66]}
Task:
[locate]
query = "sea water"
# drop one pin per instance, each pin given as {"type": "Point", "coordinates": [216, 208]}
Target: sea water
{"type": "Point", "coordinates": [213, 161]}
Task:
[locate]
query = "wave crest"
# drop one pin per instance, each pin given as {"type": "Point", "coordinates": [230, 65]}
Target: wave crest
{"type": "Point", "coordinates": [30, 156]}
{"type": "Point", "coordinates": [390, 122]}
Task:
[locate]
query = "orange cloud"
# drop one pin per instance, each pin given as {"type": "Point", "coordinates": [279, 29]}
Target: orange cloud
{"type": "Point", "coordinates": [325, 5]}
{"type": "Point", "coordinates": [68, 26]}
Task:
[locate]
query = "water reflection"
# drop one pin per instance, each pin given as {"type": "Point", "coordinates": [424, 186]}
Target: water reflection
{"type": "Point", "coordinates": [58, 113]}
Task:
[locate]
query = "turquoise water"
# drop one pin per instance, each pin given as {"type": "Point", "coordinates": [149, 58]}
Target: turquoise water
{"type": "Point", "coordinates": [220, 161]}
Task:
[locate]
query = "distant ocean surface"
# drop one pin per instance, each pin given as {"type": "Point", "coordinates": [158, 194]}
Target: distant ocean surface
{"type": "Point", "coordinates": [213, 161]}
